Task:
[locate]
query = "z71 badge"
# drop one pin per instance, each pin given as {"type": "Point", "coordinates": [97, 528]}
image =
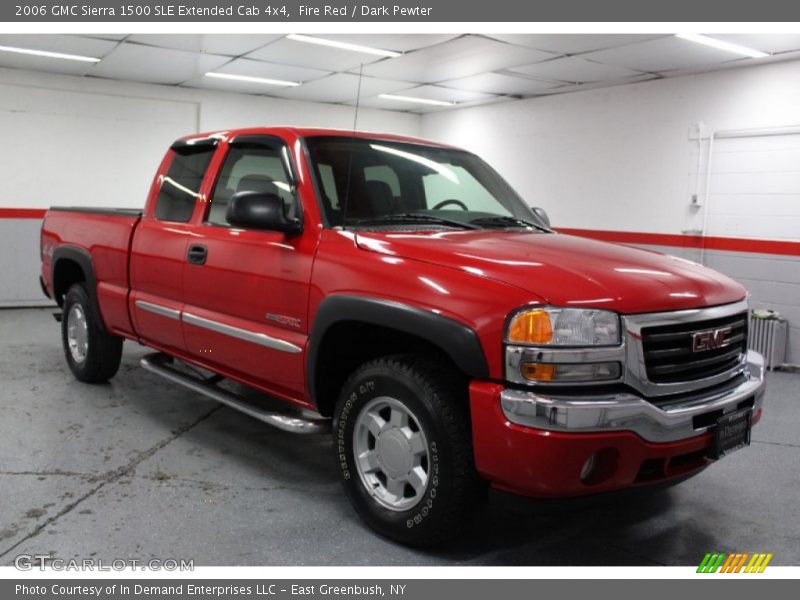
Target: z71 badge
{"type": "Point", "coordinates": [284, 320]}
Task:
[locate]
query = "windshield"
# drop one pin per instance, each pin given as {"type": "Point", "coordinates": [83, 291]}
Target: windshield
{"type": "Point", "coordinates": [369, 183]}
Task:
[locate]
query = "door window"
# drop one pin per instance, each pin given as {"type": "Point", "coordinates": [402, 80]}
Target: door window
{"type": "Point", "coordinates": [253, 168]}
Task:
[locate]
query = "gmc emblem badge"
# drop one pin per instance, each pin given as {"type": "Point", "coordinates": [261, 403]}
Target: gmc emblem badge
{"type": "Point", "coordinates": [712, 339]}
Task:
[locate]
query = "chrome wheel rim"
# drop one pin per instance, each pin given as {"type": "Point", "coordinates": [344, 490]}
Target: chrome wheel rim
{"type": "Point", "coordinates": [77, 333]}
{"type": "Point", "coordinates": [391, 453]}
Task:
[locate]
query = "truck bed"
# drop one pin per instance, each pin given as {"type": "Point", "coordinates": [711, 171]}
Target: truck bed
{"type": "Point", "coordinates": [102, 238]}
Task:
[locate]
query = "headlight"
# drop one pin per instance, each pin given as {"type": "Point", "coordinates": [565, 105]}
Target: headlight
{"type": "Point", "coordinates": [570, 346]}
{"type": "Point", "coordinates": [547, 326]}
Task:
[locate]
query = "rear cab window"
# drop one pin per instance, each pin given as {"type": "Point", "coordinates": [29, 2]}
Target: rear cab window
{"type": "Point", "coordinates": [180, 187]}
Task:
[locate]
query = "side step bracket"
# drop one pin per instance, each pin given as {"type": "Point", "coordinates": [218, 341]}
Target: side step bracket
{"type": "Point", "coordinates": [295, 423]}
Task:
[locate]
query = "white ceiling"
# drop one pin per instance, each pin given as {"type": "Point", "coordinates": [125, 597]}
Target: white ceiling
{"type": "Point", "coordinates": [467, 70]}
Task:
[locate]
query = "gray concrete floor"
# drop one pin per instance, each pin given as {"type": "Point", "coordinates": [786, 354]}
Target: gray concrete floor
{"type": "Point", "coordinates": [140, 468]}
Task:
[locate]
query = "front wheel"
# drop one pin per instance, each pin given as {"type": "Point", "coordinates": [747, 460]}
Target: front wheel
{"type": "Point", "coordinates": [403, 447]}
{"type": "Point", "coordinates": [93, 355]}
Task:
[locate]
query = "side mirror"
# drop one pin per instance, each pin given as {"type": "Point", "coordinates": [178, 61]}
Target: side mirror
{"type": "Point", "coordinates": [260, 210]}
{"type": "Point", "coordinates": [542, 214]}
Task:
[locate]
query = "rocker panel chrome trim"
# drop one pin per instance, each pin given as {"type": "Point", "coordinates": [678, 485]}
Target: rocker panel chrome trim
{"type": "Point", "coordinates": [261, 339]}
{"type": "Point", "coordinates": [157, 309]}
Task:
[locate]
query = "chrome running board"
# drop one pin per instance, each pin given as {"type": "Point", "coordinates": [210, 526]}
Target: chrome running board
{"type": "Point", "coordinates": [295, 423]}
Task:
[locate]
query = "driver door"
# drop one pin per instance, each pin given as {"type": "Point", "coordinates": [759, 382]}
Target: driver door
{"type": "Point", "coordinates": [246, 291]}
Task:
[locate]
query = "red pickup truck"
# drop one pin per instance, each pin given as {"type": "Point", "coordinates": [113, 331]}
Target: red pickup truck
{"type": "Point", "coordinates": [400, 294]}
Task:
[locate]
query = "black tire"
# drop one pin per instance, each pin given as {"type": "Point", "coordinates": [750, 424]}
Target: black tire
{"type": "Point", "coordinates": [103, 352]}
{"type": "Point", "coordinates": [435, 400]}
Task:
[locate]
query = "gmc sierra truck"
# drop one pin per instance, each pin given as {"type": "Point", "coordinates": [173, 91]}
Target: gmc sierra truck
{"type": "Point", "coordinates": [400, 295]}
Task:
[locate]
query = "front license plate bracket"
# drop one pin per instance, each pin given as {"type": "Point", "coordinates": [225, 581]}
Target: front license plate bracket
{"type": "Point", "coordinates": [731, 433]}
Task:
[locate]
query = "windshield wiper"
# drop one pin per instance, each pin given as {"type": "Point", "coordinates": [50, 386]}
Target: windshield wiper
{"type": "Point", "coordinates": [410, 217]}
{"type": "Point", "coordinates": [502, 221]}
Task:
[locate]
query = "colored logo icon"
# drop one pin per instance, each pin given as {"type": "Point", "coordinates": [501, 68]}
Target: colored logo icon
{"type": "Point", "coordinates": [738, 562]}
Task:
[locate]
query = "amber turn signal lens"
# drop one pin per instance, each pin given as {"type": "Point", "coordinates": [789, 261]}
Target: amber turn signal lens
{"type": "Point", "coordinates": [531, 327]}
{"type": "Point", "coordinates": [538, 371]}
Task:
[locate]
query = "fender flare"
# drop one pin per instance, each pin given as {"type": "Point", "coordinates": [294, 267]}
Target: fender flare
{"type": "Point", "coordinates": [456, 339]}
{"type": "Point", "coordinates": [84, 261]}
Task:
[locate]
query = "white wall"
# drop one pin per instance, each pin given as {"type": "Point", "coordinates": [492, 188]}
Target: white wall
{"type": "Point", "coordinates": [623, 159]}
{"type": "Point", "coordinates": [60, 131]}
{"type": "Point", "coordinates": [93, 142]}
{"type": "Point", "coordinates": [619, 158]}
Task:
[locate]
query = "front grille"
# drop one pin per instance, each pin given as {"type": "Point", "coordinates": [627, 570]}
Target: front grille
{"type": "Point", "coordinates": [670, 358]}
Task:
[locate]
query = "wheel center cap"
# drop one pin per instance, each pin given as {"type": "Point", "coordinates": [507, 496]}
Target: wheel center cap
{"type": "Point", "coordinates": [394, 453]}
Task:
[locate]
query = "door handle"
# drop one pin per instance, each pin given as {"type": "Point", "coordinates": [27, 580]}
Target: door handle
{"type": "Point", "coordinates": [197, 254]}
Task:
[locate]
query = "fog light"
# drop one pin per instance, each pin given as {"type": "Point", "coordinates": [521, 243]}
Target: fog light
{"type": "Point", "coordinates": [600, 466]}
{"type": "Point", "coordinates": [570, 372]}
{"type": "Point", "coordinates": [588, 467]}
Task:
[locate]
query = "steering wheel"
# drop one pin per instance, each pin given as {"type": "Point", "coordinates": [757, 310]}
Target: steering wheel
{"type": "Point", "coordinates": [444, 203]}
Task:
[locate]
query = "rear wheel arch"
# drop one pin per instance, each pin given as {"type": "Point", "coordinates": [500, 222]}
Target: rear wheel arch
{"type": "Point", "coordinates": [349, 330]}
{"type": "Point", "coordinates": [72, 265]}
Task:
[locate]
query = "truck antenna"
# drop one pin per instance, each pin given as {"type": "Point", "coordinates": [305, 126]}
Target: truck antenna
{"type": "Point", "coordinates": [350, 158]}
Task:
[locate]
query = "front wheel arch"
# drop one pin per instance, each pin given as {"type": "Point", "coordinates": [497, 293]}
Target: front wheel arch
{"type": "Point", "coordinates": [349, 330]}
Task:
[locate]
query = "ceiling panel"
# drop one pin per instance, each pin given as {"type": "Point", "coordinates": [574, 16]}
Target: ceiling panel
{"type": "Point", "coordinates": [579, 87]}
{"type": "Point", "coordinates": [574, 69]}
{"type": "Point", "coordinates": [118, 37]}
{"type": "Point", "coordinates": [500, 83]}
{"type": "Point", "coordinates": [463, 99]}
{"type": "Point", "coordinates": [385, 104]}
{"type": "Point", "coordinates": [766, 42]}
{"type": "Point", "coordinates": [398, 105]}
{"type": "Point", "coordinates": [225, 44]}
{"type": "Point", "coordinates": [423, 109]}
{"type": "Point", "coordinates": [340, 87]}
{"type": "Point", "coordinates": [443, 94]}
{"type": "Point", "coordinates": [663, 54]}
{"type": "Point", "coordinates": [399, 42]}
{"type": "Point", "coordinates": [572, 43]}
{"type": "Point", "coordinates": [69, 44]}
{"type": "Point", "coordinates": [303, 54]}
{"type": "Point", "coordinates": [467, 69]}
{"type": "Point", "coordinates": [257, 68]}
{"type": "Point", "coordinates": [462, 57]}
{"type": "Point", "coordinates": [133, 62]}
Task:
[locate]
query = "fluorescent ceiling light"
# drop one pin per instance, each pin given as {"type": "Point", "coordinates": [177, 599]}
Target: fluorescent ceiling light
{"type": "Point", "coordinates": [417, 100]}
{"type": "Point", "coordinates": [343, 45]}
{"type": "Point", "coordinates": [47, 54]}
{"type": "Point", "coordinates": [719, 44]}
{"type": "Point", "coordinates": [249, 79]}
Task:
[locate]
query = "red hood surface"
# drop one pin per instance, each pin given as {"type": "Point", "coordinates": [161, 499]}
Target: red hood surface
{"type": "Point", "coordinates": [564, 270]}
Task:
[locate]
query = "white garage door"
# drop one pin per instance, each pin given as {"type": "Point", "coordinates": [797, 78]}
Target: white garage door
{"type": "Point", "coordinates": [755, 187]}
{"type": "Point", "coordinates": [755, 193]}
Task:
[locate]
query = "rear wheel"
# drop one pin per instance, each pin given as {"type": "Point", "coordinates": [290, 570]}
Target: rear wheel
{"type": "Point", "coordinates": [93, 355]}
{"type": "Point", "coordinates": [403, 447]}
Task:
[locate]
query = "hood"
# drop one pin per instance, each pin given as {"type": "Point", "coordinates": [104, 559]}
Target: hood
{"type": "Point", "coordinates": [564, 270]}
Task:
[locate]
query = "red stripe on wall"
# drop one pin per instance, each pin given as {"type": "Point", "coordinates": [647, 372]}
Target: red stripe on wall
{"type": "Point", "coordinates": [22, 213]}
{"type": "Point", "coordinates": [784, 248]}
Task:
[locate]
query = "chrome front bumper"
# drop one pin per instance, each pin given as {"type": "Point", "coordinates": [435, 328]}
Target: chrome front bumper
{"type": "Point", "coordinates": [630, 412]}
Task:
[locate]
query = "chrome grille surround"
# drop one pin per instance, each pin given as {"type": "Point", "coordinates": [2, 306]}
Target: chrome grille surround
{"type": "Point", "coordinates": [635, 363]}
